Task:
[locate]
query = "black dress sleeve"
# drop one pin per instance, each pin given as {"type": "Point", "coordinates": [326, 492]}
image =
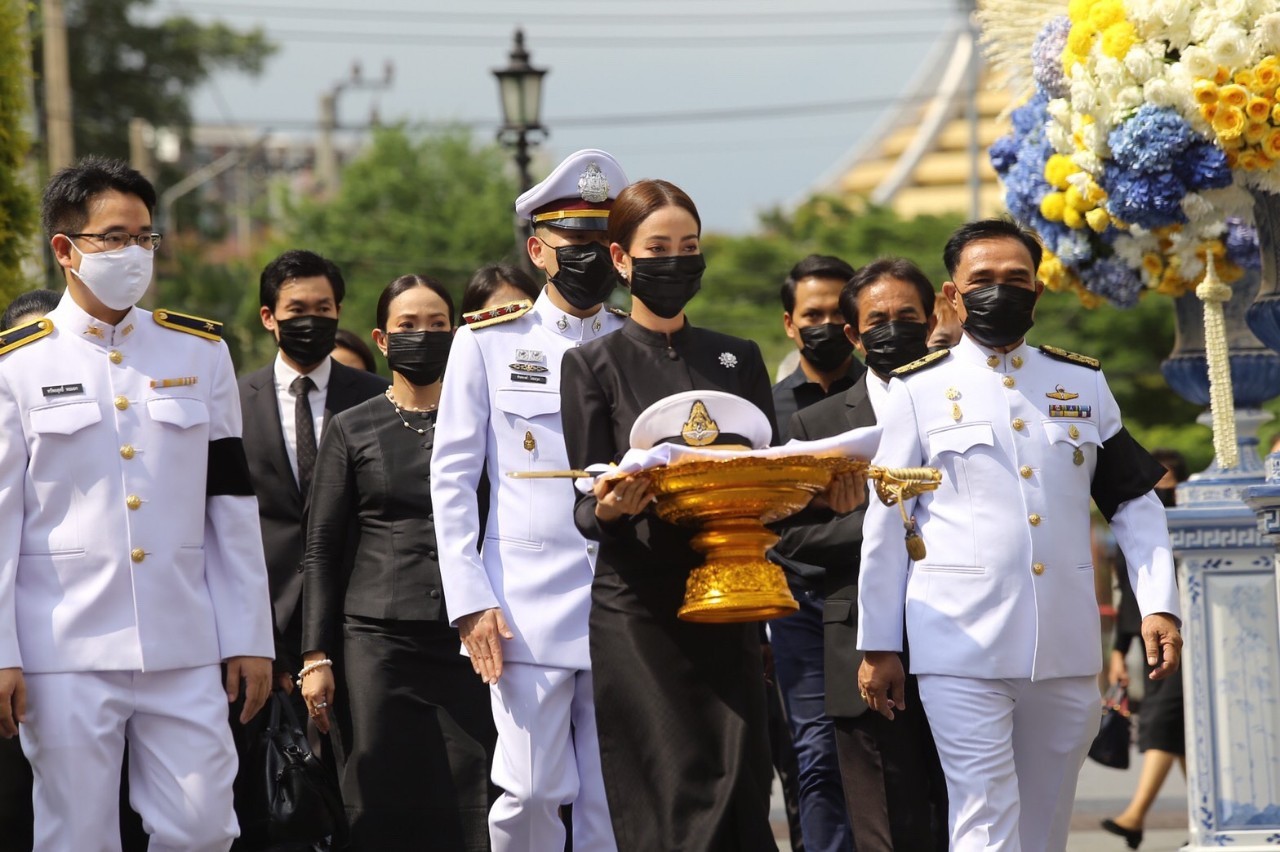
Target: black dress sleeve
{"type": "Point", "coordinates": [757, 389]}
{"type": "Point", "coordinates": [588, 436]}
{"type": "Point", "coordinates": [333, 502]}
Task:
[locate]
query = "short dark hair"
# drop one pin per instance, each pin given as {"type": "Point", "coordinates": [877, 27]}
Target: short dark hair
{"type": "Point", "coordinates": [348, 339]}
{"type": "Point", "coordinates": [28, 306]}
{"type": "Point", "coordinates": [65, 208]}
{"type": "Point", "coordinates": [408, 282]}
{"type": "Point", "coordinates": [1175, 461]}
{"type": "Point", "coordinates": [298, 263]}
{"type": "Point", "coordinates": [813, 266]}
{"type": "Point", "coordinates": [488, 279]}
{"type": "Point", "coordinates": [885, 267]}
{"type": "Point", "coordinates": [990, 229]}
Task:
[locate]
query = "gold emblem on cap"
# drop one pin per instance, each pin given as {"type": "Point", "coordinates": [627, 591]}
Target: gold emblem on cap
{"type": "Point", "coordinates": [593, 186]}
{"type": "Point", "coordinates": [699, 430]}
{"type": "Point", "coordinates": [1061, 393]}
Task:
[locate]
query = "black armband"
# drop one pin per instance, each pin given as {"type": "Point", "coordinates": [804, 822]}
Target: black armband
{"type": "Point", "coordinates": [228, 469]}
{"type": "Point", "coordinates": [1124, 472]}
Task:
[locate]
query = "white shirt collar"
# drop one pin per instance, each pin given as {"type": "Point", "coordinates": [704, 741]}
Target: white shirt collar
{"type": "Point", "coordinates": [284, 374]}
{"type": "Point", "coordinates": [70, 318]}
{"type": "Point", "coordinates": [972, 352]}
{"type": "Point", "coordinates": [565, 324]}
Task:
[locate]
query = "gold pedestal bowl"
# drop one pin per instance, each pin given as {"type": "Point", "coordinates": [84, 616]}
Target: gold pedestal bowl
{"type": "Point", "coordinates": [730, 501]}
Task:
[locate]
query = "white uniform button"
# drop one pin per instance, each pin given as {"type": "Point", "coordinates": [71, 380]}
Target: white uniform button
{"type": "Point", "coordinates": [1037, 568]}
{"type": "Point", "coordinates": [1035, 520]}
{"type": "Point", "coordinates": [121, 403]}
{"type": "Point", "coordinates": [115, 356]}
{"type": "Point", "coordinates": [127, 452]}
{"type": "Point", "coordinates": [1008, 381]}
{"type": "Point", "coordinates": [1018, 424]}
{"type": "Point", "coordinates": [1025, 470]}
{"type": "Point", "coordinates": [137, 554]}
{"type": "Point", "coordinates": [591, 548]}
{"type": "Point", "coordinates": [133, 501]}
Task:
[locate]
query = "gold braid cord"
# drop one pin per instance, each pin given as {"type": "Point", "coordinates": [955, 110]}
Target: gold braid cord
{"type": "Point", "coordinates": [1213, 293]}
{"type": "Point", "coordinates": [898, 485]}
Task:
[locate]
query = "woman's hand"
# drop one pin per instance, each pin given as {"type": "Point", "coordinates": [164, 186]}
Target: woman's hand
{"type": "Point", "coordinates": [617, 497]}
{"type": "Point", "coordinates": [846, 492]}
{"type": "Point", "coordinates": [1118, 672]}
{"type": "Point", "coordinates": [318, 689]}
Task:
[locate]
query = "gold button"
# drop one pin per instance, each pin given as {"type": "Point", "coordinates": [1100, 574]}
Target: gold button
{"type": "Point", "coordinates": [1018, 423]}
{"type": "Point", "coordinates": [1073, 432]}
{"type": "Point", "coordinates": [1025, 470]}
{"type": "Point", "coordinates": [137, 554]}
{"type": "Point", "coordinates": [1016, 360]}
{"type": "Point", "coordinates": [133, 501]}
{"type": "Point", "coordinates": [122, 403]}
{"type": "Point", "coordinates": [1008, 381]}
{"type": "Point", "coordinates": [992, 361]}
{"type": "Point", "coordinates": [115, 356]}
{"type": "Point", "coordinates": [1035, 520]}
{"type": "Point", "coordinates": [127, 451]}
{"type": "Point", "coordinates": [1037, 568]}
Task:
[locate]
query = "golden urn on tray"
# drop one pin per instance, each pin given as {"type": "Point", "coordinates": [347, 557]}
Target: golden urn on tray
{"type": "Point", "coordinates": [731, 500]}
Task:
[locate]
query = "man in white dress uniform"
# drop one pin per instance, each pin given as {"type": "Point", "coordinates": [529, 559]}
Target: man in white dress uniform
{"type": "Point", "coordinates": [1000, 611]}
{"type": "Point", "coordinates": [520, 597]}
{"type": "Point", "coordinates": [130, 561]}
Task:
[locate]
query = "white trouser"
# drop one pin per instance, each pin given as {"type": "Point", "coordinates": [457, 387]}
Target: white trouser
{"type": "Point", "coordinates": [548, 755]}
{"type": "Point", "coordinates": [181, 758]}
{"type": "Point", "coordinates": [1011, 750]}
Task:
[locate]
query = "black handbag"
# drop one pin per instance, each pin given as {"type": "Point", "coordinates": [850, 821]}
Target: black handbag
{"type": "Point", "coordinates": [1111, 745]}
{"type": "Point", "coordinates": [299, 798]}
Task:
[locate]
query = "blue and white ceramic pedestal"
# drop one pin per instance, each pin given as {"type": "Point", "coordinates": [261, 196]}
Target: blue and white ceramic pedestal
{"type": "Point", "coordinates": [1231, 656]}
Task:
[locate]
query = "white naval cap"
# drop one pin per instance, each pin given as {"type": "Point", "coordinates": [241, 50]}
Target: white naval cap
{"type": "Point", "coordinates": [577, 194]}
{"type": "Point", "coordinates": [701, 418]}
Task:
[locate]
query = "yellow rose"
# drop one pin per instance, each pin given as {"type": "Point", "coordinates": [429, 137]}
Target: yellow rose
{"type": "Point", "coordinates": [1233, 158]}
{"type": "Point", "coordinates": [1255, 132]}
{"type": "Point", "coordinates": [1209, 111]}
{"type": "Point", "coordinates": [1118, 38]}
{"type": "Point", "coordinates": [1268, 63]}
{"type": "Point", "coordinates": [1223, 76]}
{"type": "Point", "coordinates": [1275, 114]}
{"type": "Point", "coordinates": [1258, 109]}
{"type": "Point", "coordinates": [1233, 95]}
{"type": "Point", "coordinates": [1080, 39]}
{"type": "Point", "coordinates": [1057, 169]}
{"type": "Point", "coordinates": [1152, 263]}
{"type": "Point", "coordinates": [1105, 13]}
{"type": "Point", "coordinates": [1265, 78]}
{"type": "Point", "coordinates": [1205, 91]}
{"type": "Point", "coordinates": [1097, 219]}
{"type": "Point", "coordinates": [1243, 77]}
{"type": "Point", "coordinates": [1271, 144]}
{"type": "Point", "coordinates": [1089, 299]}
{"type": "Point", "coordinates": [1229, 123]}
{"type": "Point", "coordinates": [1249, 161]}
{"type": "Point", "coordinates": [1052, 206]}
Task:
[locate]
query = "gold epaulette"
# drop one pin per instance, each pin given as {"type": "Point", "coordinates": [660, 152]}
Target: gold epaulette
{"type": "Point", "coordinates": [1071, 357]}
{"type": "Point", "coordinates": [23, 334]}
{"type": "Point", "coordinates": [502, 313]}
{"type": "Point", "coordinates": [617, 312]}
{"type": "Point", "coordinates": [921, 363]}
{"type": "Point", "coordinates": [199, 326]}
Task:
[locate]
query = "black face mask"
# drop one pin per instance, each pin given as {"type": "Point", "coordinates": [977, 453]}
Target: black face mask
{"type": "Point", "coordinates": [419, 356]}
{"type": "Point", "coordinates": [825, 346]}
{"type": "Point", "coordinates": [666, 284]}
{"type": "Point", "coordinates": [894, 344]}
{"type": "Point", "coordinates": [1168, 497]}
{"type": "Point", "coordinates": [999, 314]}
{"type": "Point", "coordinates": [586, 276]}
{"type": "Point", "coordinates": [307, 340]}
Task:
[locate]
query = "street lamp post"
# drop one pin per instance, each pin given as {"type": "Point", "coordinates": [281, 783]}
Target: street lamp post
{"type": "Point", "coordinates": [520, 96]}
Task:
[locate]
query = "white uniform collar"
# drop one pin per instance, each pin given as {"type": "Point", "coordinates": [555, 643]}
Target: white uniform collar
{"type": "Point", "coordinates": [567, 325]}
{"type": "Point", "coordinates": [70, 318]}
{"type": "Point", "coordinates": [971, 352]}
{"type": "Point", "coordinates": [285, 374]}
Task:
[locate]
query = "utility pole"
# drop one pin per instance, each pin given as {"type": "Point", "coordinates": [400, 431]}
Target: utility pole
{"type": "Point", "coordinates": [326, 154]}
{"type": "Point", "coordinates": [972, 82]}
{"type": "Point", "coordinates": [34, 263]}
{"type": "Point", "coordinates": [141, 140]}
{"type": "Point", "coordinates": [57, 87]}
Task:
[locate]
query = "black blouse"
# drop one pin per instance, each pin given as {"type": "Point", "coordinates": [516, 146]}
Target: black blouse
{"type": "Point", "coordinates": [371, 543]}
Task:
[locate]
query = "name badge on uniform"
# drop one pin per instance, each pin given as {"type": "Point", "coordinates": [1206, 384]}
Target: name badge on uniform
{"type": "Point", "coordinates": [528, 379]}
{"type": "Point", "coordinates": [62, 390]}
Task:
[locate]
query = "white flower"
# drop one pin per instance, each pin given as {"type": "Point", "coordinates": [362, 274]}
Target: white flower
{"type": "Point", "coordinates": [1095, 139]}
{"type": "Point", "coordinates": [1196, 207]}
{"type": "Point", "coordinates": [1060, 110]}
{"type": "Point", "coordinates": [1129, 250]}
{"type": "Point", "coordinates": [1088, 161]}
{"type": "Point", "coordinates": [1203, 24]}
{"type": "Point", "coordinates": [1141, 62]}
{"type": "Point", "coordinates": [728, 359]}
{"type": "Point", "coordinates": [1198, 62]}
{"type": "Point", "coordinates": [1084, 96]}
{"type": "Point", "coordinates": [1268, 33]}
{"type": "Point", "coordinates": [1158, 91]}
{"type": "Point", "coordinates": [1236, 11]}
{"type": "Point", "coordinates": [1234, 200]}
{"type": "Point", "coordinates": [1126, 101]}
{"type": "Point", "coordinates": [1059, 137]}
{"type": "Point", "coordinates": [1229, 46]}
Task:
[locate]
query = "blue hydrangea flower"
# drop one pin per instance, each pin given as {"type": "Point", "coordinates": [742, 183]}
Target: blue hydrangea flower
{"type": "Point", "coordinates": [1203, 166]}
{"type": "Point", "coordinates": [1151, 200]}
{"type": "Point", "coordinates": [1241, 241]}
{"type": "Point", "coordinates": [1115, 280]}
{"type": "Point", "coordinates": [1152, 140]}
{"type": "Point", "coordinates": [1046, 58]}
{"type": "Point", "coordinates": [1030, 115]}
{"type": "Point", "coordinates": [1004, 153]}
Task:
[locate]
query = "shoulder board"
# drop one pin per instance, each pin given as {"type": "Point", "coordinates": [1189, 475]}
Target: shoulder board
{"type": "Point", "coordinates": [502, 313]}
{"type": "Point", "coordinates": [617, 312]}
{"type": "Point", "coordinates": [199, 326]}
{"type": "Point", "coordinates": [1071, 357]}
{"type": "Point", "coordinates": [23, 334]}
{"type": "Point", "coordinates": [922, 363]}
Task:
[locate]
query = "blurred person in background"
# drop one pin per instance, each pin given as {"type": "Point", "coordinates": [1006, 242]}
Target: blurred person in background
{"type": "Point", "coordinates": [496, 285]}
{"type": "Point", "coordinates": [349, 350]}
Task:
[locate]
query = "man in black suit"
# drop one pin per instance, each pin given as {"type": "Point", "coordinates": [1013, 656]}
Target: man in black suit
{"type": "Point", "coordinates": [286, 405]}
{"type": "Point", "coordinates": [893, 784]}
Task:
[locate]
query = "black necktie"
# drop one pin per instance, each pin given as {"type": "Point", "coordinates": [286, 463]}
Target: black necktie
{"type": "Point", "coordinates": [305, 426]}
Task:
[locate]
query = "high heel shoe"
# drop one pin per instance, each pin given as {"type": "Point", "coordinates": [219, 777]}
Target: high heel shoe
{"type": "Point", "coordinates": [1132, 836]}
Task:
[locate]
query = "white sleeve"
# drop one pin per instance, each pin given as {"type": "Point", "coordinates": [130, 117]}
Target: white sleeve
{"type": "Point", "coordinates": [882, 579]}
{"type": "Point", "coordinates": [13, 474]}
{"type": "Point", "coordinates": [457, 463]}
{"type": "Point", "coordinates": [1143, 535]}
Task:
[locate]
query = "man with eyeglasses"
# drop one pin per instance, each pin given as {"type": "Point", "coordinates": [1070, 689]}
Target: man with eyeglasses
{"type": "Point", "coordinates": [130, 561]}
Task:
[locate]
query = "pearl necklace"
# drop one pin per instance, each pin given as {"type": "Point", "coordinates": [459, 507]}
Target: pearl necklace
{"type": "Point", "coordinates": [400, 413]}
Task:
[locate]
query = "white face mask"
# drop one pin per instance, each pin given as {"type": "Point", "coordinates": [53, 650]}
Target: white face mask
{"type": "Point", "coordinates": [116, 278]}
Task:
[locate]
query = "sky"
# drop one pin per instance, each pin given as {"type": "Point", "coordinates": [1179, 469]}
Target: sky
{"type": "Point", "coordinates": [746, 104]}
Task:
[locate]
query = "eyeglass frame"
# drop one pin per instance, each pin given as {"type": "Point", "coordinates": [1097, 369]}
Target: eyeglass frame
{"type": "Point", "coordinates": [155, 239]}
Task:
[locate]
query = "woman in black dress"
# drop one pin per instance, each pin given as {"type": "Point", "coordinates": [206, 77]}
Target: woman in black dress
{"type": "Point", "coordinates": [414, 720]}
{"type": "Point", "coordinates": [680, 706]}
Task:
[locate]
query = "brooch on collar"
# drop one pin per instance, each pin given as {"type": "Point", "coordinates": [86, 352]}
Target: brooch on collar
{"type": "Point", "coordinates": [728, 359]}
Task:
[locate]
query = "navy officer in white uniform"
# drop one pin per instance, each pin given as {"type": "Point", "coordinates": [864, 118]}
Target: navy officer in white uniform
{"type": "Point", "coordinates": [520, 597]}
{"type": "Point", "coordinates": [1000, 611]}
{"type": "Point", "coordinates": [130, 560]}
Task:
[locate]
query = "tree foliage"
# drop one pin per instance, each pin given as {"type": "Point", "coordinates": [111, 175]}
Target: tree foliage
{"type": "Point", "coordinates": [122, 68]}
{"type": "Point", "coordinates": [17, 199]}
